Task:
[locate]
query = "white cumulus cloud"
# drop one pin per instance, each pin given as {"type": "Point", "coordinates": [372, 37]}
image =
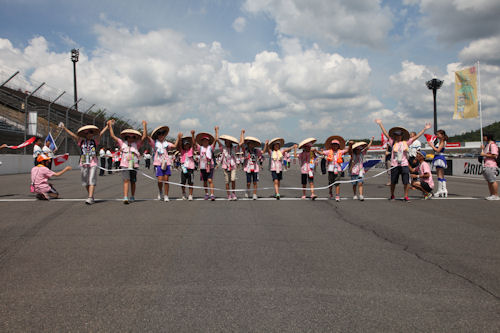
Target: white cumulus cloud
{"type": "Point", "coordinates": [239, 24]}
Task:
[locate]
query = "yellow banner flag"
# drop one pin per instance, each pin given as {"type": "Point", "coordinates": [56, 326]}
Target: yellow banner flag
{"type": "Point", "coordinates": [466, 94]}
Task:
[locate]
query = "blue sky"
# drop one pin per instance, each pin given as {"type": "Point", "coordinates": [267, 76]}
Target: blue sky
{"type": "Point", "coordinates": [290, 68]}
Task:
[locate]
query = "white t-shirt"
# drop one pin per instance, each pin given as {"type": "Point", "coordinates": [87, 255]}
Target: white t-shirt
{"type": "Point", "coordinates": [102, 153]}
{"type": "Point", "coordinates": [414, 147]}
{"type": "Point", "coordinates": [47, 151]}
{"type": "Point", "coordinates": [36, 151]}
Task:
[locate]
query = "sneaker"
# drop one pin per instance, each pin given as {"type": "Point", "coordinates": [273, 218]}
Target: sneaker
{"type": "Point", "coordinates": [229, 197]}
{"type": "Point", "coordinates": [313, 197]}
{"type": "Point", "coordinates": [337, 198]}
{"type": "Point", "coordinates": [277, 196]}
{"type": "Point", "coordinates": [89, 201]}
{"type": "Point", "coordinates": [184, 197]}
{"type": "Point", "coordinates": [303, 197]}
{"type": "Point", "coordinates": [493, 198]}
{"type": "Point", "coordinates": [331, 196]}
{"type": "Point", "coordinates": [406, 199]}
{"type": "Point", "coordinates": [254, 197]}
{"type": "Point", "coordinates": [160, 196]}
{"type": "Point", "coordinates": [392, 198]}
{"type": "Point", "coordinates": [355, 197]}
{"type": "Point", "coordinates": [428, 196]}
{"type": "Point", "coordinates": [132, 199]}
{"type": "Point", "coordinates": [125, 200]}
{"type": "Point", "coordinates": [247, 194]}
{"type": "Point", "coordinates": [206, 196]}
{"type": "Point", "coordinates": [235, 198]}
{"type": "Point", "coordinates": [190, 198]}
{"type": "Point", "coordinates": [361, 198]}
{"type": "Point", "coordinates": [166, 199]}
{"type": "Point", "coordinates": [212, 197]}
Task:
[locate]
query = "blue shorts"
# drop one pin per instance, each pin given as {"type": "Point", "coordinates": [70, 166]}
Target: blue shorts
{"type": "Point", "coordinates": [159, 172]}
{"type": "Point", "coordinates": [252, 176]}
{"type": "Point", "coordinates": [206, 175]}
{"type": "Point", "coordinates": [277, 175]}
{"type": "Point", "coordinates": [357, 179]}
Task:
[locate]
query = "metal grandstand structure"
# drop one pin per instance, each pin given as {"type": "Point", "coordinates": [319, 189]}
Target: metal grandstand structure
{"type": "Point", "coordinates": [20, 96]}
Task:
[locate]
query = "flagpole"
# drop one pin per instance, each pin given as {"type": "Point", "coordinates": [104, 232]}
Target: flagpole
{"type": "Point", "coordinates": [479, 91]}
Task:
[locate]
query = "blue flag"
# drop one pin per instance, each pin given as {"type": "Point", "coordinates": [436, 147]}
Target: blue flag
{"type": "Point", "coordinates": [370, 164]}
{"type": "Point", "coordinates": [52, 142]}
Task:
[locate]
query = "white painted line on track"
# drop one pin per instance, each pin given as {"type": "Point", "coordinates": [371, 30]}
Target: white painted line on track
{"type": "Point", "coordinates": [241, 199]}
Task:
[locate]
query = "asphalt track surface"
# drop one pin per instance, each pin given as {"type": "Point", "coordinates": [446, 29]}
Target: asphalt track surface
{"type": "Point", "coordinates": [250, 266]}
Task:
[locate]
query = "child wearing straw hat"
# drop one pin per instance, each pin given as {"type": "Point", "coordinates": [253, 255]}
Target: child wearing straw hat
{"type": "Point", "coordinates": [399, 139]}
{"type": "Point", "coordinates": [87, 138]}
{"type": "Point", "coordinates": [334, 151]}
{"type": "Point", "coordinates": [356, 170]}
{"type": "Point", "coordinates": [162, 161]}
{"type": "Point", "coordinates": [185, 148]}
{"type": "Point", "coordinates": [228, 162]}
{"type": "Point", "coordinates": [276, 158]}
{"type": "Point", "coordinates": [423, 179]}
{"type": "Point", "coordinates": [40, 175]}
{"type": "Point", "coordinates": [307, 159]}
{"type": "Point", "coordinates": [251, 158]}
{"type": "Point", "coordinates": [129, 149]}
{"type": "Point", "coordinates": [205, 145]}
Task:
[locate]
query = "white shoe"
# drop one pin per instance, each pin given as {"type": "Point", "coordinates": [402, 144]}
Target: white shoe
{"type": "Point", "coordinates": [439, 192]}
{"type": "Point", "coordinates": [184, 197]}
{"type": "Point", "coordinates": [190, 198]}
{"type": "Point", "coordinates": [493, 197]}
{"type": "Point", "coordinates": [445, 190]}
{"type": "Point", "coordinates": [166, 199]}
{"type": "Point", "coordinates": [89, 201]}
{"type": "Point", "coordinates": [254, 197]}
{"type": "Point", "coordinates": [355, 197]}
{"type": "Point", "coordinates": [160, 196]}
{"type": "Point", "coordinates": [246, 194]}
{"type": "Point", "coordinates": [361, 198]}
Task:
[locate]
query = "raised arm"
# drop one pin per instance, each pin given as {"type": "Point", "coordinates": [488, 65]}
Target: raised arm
{"type": "Point", "coordinates": [285, 150]}
{"type": "Point", "coordinates": [266, 147]}
{"type": "Point", "coordinates": [216, 138]}
{"type": "Point", "coordinates": [195, 145]}
{"type": "Point", "coordinates": [71, 134]}
{"type": "Point", "coordinates": [111, 122]}
{"type": "Point", "coordinates": [178, 141]}
{"type": "Point", "coordinates": [369, 144]}
{"type": "Point", "coordinates": [349, 147]}
{"type": "Point", "coordinates": [144, 130]}
{"type": "Point", "coordinates": [242, 137]}
{"type": "Point", "coordinates": [103, 131]}
{"type": "Point", "coordinates": [379, 122]}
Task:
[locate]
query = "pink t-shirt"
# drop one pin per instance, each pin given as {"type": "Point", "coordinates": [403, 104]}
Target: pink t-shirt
{"type": "Point", "coordinates": [357, 164]}
{"type": "Point", "coordinates": [187, 158]}
{"type": "Point", "coordinates": [40, 178]}
{"type": "Point", "coordinates": [129, 153]}
{"type": "Point", "coordinates": [228, 158]}
{"type": "Point", "coordinates": [424, 168]}
{"type": "Point", "coordinates": [491, 148]}
{"type": "Point", "coordinates": [88, 152]}
{"type": "Point", "coordinates": [161, 152]}
{"type": "Point", "coordinates": [251, 160]}
{"type": "Point", "coordinates": [206, 158]}
{"type": "Point", "coordinates": [305, 162]}
{"type": "Point", "coordinates": [404, 153]}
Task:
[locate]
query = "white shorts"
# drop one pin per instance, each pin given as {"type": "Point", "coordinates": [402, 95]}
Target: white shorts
{"type": "Point", "coordinates": [89, 175]}
{"type": "Point", "coordinates": [490, 174]}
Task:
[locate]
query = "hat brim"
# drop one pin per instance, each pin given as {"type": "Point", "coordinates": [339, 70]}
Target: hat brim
{"type": "Point", "coordinates": [130, 131]}
{"type": "Point", "coordinates": [229, 138]}
{"type": "Point", "coordinates": [306, 142]}
{"type": "Point", "coordinates": [159, 129]}
{"type": "Point", "coordinates": [404, 132]}
{"type": "Point", "coordinates": [252, 139]}
{"type": "Point", "coordinates": [84, 129]}
{"type": "Point", "coordinates": [281, 142]}
{"type": "Point", "coordinates": [359, 144]}
{"type": "Point", "coordinates": [201, 135]}
{"type": "Point", "coordinates": [328, 142]}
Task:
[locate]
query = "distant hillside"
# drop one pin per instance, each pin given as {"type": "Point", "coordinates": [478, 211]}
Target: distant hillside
{"type": "Point", "coordinates": [475, 135]}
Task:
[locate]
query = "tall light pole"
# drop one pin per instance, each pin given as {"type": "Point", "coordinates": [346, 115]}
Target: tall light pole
{"type": "Point", "coordinates": [74, 58]}
{"type": "Point", "coordinates": [434, 85]}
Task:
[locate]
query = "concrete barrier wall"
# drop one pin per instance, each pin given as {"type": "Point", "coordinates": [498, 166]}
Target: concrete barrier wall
{"type": "Point", "coordinates": [12, 164]}
{"type": "Point", "coordinates": [468, 167]}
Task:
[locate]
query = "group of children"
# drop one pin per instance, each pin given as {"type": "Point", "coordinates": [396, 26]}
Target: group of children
{"type": "Point", "coordinates": [202, 148]}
